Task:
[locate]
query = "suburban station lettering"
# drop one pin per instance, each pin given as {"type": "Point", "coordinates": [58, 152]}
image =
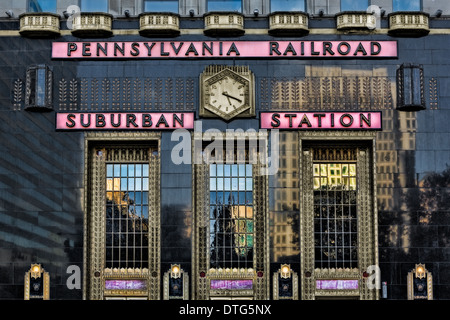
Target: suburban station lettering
{"type": "Point", "coordinates": [321, 120]}
{"type": "Point", "coordinates": [85, 121]}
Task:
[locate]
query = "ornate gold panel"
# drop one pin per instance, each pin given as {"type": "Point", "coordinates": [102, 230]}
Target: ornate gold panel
{"type": "Point", "coordinates": [338, 146]}
{"type": "Point", "coordinates": [425, 286]}
{"type": "Point", "coordinates": [116, 147]}
{"type": "Point", "coordinates": [43, 286]}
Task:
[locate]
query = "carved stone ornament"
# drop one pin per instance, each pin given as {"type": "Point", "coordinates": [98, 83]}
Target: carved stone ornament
{"type": "Point", "coordinates": [92, 24]}
{"type": "Point", "coordinates": [227, 92]}
{"type": "Point", "coordinates": [288, 23]}
{"type": "Point", "coordinates": [39, 24]}
{"type": "Point", "coordinates": [155, 24]}
{"type": "Point", "coordinates": [224, 24]}
{"type": "Point", "coordinates": [355, 21]}
{"type": "Point", "coordinates": [409, 23]}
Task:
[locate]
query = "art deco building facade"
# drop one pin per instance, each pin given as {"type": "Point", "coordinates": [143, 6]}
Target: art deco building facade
{"type": "Point", "coordinates": [245, 149]}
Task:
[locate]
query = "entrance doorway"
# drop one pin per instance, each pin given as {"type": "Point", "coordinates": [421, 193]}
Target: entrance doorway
{"type": "Point", "coordinates": [122, 217]}
{"type": "Point", "coordinates": [338, 216]}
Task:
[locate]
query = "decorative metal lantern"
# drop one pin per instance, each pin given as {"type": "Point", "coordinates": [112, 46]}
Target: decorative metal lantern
{"type": "Point", "coordinates": [176, 283]}
{"type": "Point", "coordinates": [37, 283]}
{"type": "Point", "coordinates": [410, 88]}
{"type": "Point", "coordinates": [39, 88]}
{"type": "Point", "coordinates": [285, 283]}
{"type": "Point", "coordinates": [420, 283]}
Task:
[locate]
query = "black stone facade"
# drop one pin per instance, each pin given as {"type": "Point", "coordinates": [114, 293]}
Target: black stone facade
{"type": "Point", "coordinates": [42, 170]}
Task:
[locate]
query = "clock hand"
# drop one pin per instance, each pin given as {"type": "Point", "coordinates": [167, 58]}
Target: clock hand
{"type": "Point", "coordinates": [228, 96]}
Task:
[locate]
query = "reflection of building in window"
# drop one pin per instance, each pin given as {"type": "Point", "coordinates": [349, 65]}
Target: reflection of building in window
{"type": "Point", "coordinates": [287, 5]}
{"type": "Point", "coordinates": [406, 5]}
{"type": "Point", "coordinates": [127, 215]}
{"type": "Point", "coordinates": [42, 6]}
{"type": "Point", "coordinates": [231, 216]}
{"type": "Point", "coordinates": [352, 5]}
{"type": "Point", "coordinates": [161, 6]}
{"type": "Point", "coordinates": [225, 5]}
{"type": "Point", "coordinates": [94, 6]}
{"type": "Point", "coordinates": [284, 231]}
{"type": "Point", "coordinates": [335, 218]}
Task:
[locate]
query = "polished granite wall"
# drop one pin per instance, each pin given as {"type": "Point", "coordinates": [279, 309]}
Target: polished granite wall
{"type": "Point", "coordinates": [41, 170]}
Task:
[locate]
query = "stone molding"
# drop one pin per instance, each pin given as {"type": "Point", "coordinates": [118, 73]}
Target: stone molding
{"type": "Point", "coordinates": [39, 24]}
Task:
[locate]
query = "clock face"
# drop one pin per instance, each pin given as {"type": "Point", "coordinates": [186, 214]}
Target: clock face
{"type": "Point", "coordinates": [226, 94]}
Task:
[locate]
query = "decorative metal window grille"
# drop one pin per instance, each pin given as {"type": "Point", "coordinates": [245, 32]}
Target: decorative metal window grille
{"type": "Point", "coordinates": [335, 216]}
{"type": "Point", "coordinates": [231, 216]}
{"type": "Point", "coordinates": [127, 186]}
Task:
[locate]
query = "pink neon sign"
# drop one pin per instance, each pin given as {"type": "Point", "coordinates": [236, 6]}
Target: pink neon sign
{"type": "Point", "coordinates": [224, 49]}
{"type": "Point", "coordinates": [321, 120]}
{"type": "Point", "coordinates": [124, 121]}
